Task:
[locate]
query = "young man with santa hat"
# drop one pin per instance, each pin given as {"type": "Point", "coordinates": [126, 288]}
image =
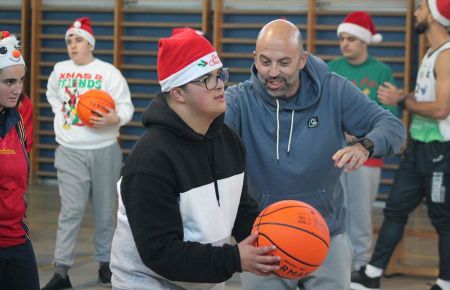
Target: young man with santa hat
{"type": "Point", "coordinates": [425, 169]}
{"type": "Point", "coordinates": [356, 33]}
{"type": "Point", "coordinates": [88, 159]}
{"type": "Point", "coordinates": [183, 191]}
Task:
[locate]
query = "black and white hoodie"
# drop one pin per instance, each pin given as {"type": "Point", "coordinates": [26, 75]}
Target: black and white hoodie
{"type": "Point", "coordinates": [182, 196]}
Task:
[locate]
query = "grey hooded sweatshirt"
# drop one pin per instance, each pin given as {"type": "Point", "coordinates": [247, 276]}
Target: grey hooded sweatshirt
{"type": "Point", "coordinates": [290, 142]}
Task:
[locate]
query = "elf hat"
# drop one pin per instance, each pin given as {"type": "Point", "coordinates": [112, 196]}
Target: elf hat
{"type": "Point", "coordinates": [82, 26]}
{"type": "Point", "coordinates": [440, 9]}
{"type": "Point", "coordinates": [360, 25]}
{"type": "Point", "coordinates": [184, 57]}
{"type": "Point", "coordinates": [9, 50]}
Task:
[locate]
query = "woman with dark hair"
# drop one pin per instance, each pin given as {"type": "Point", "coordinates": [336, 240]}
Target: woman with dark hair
{"type": "Point", "coordinates": [18, 269]}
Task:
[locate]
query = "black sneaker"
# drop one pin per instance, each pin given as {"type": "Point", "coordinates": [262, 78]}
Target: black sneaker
{"type": "Point", "coordinates": [58, 283]}
{"type": "Point", "coordinates": [360, 281]}
{"type": "Point", "coordinates": [104, 275]}
{"type": "Point", "coordinates": [435, 287]}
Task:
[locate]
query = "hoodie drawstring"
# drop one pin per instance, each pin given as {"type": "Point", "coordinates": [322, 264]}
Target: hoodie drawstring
{"type": "Point", "coordinates": [290, 132]}
{"type": "Point", "coordinates": [278, 130]}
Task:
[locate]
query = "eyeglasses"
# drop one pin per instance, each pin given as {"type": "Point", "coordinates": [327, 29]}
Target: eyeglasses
{"type": "Point", "coordinates": [212, 81]}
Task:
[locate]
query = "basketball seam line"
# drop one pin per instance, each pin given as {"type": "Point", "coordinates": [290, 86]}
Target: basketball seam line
{"type": "Point", "coordinates": [280, 249]}
{"type": "Point", "coordinates": [300, 229]}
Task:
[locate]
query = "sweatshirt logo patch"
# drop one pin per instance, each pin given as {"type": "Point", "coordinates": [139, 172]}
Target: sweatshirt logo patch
{"type": "Point", "coordinates": [313, 122]}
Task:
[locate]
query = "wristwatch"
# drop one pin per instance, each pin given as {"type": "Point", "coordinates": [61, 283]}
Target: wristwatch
{"type": "Point", "coordinates": [368, 144]}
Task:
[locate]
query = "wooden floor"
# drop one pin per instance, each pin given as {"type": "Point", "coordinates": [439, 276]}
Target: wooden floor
{"type": "Point", "coordinates": [43, 212]}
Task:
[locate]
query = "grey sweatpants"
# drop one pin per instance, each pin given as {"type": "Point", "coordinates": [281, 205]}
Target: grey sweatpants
{"type": "Point", "coordinates": [86, 175]}
{"type": "Point", "coordinates": [333, 274]}
{"type": "Point", "coordinates": [360, 190]}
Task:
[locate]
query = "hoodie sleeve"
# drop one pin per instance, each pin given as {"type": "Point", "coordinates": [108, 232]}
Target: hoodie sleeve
{"type": "Point", "coordinates": [232, 115]}
{"type": "Point", "coordinates": [246, 215]}
{"type": "Point", "coordinates": [364, 118]}
{"type": "Point", "coordinates": [155, 220]}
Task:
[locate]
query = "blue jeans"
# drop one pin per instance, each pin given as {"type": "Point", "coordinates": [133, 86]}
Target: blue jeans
{"type": "Point", "coordinates": [18, 269]}
{"type": "Point", "coordinates": [424, 173]}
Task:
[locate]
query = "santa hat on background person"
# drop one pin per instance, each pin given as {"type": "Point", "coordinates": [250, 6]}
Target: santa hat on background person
{"type": "Point", "coordinates": [360, 25]}
{"type": "Point", "coordinates": [440, 9]}
{"type": "Point", "coordinates": [183, 57]}
{"type": "Point", "coordinates": [82, 26]}
{"type": "Point", "coordinates": [9, 50]}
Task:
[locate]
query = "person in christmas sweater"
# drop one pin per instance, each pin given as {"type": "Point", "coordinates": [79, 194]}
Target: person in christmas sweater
{"type": "Point", "coordinates": [18, 269]}
{"type": "Point", "coordinates": [88, 159]}
{"type": "Point", "coordinates": [424, 172]}
{"type": "Point", "coordinates": [356, 33]}
{"type": "Point", "coordinates": [183, 191]}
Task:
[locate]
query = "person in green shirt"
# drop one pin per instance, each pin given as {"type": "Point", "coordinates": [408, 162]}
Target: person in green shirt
{"type": "Point", "coordinates": [356, 33]}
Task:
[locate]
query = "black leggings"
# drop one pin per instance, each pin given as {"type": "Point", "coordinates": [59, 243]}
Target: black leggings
{"type": "Point", "coordinates": [18, 268]}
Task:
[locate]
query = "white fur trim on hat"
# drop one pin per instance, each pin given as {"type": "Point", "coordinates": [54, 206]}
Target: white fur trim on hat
{"type": "Point", "coordinates": [432, 4]}
{"type": "Point", "coordinates": [8, 46]}
{"type": "Point", "coordinates": [359, 32]}
{"type": "Point", "coordinates": [196, 69]}
{"type": "Point", "coordinates": [83, 33]}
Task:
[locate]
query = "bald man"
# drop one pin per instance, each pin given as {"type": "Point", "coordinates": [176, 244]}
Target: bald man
{"type": "Point", "coordinates": [291, 115]}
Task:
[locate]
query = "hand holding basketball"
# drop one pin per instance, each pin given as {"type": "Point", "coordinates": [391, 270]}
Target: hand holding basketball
{"type": "Point", "coordinates": [256, 259]}
{"type": "Point", "coordinates": [96, 108]}
{"type": "Point", "coordinates": [299, 233]}
{"type": "Point", "coordinates": [104, 119]}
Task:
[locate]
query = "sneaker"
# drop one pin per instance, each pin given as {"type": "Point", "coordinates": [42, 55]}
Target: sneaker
{"type": "Point", "coordinates": [360, 281]}
{"type": "Point", "coordinates": [104, 275]}
{"type": "Point", "coordinates": [58, 283]}
{"type": "Point", "coordinates": [435, 287]}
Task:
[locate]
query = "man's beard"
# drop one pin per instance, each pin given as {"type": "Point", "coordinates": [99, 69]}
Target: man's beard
{"type": "Point", "coordinates": [421, 27]}
{"type": "Point", "coordinates": [280, 92]}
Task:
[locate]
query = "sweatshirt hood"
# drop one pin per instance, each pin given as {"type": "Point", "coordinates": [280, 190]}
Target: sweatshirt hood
{"type": "Point", "coordinates": [159, 114]}
{"type": "Point", "coordinates": [312, 77]}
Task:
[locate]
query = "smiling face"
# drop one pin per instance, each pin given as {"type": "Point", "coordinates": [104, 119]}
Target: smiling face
{"type": "Point", "coordinates": [11, 81]}
{"type": "Point", "coordinates": [79, 49]}
{"type": "Point", "coordinates": [279, 57]}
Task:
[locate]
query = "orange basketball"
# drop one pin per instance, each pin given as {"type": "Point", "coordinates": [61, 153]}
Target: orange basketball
{"type": "Point", "coordinates": [91, 101]}
{"type": "Point", "coordinates": [300, 234]}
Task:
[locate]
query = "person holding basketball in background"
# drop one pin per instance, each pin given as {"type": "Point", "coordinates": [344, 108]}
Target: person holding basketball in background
{"type": "Point", "coordinates": [183, 190]}
{"type": "Point", "coordinates": [356, 33]}
{"type": "Point", "coordinates": [18, 269]}
{"type": "Point", "coordinates": [87, 160]}
{"type": "Point", "coordinates": [291, 116]}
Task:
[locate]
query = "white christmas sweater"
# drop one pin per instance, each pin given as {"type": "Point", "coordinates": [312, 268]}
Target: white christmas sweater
{"type": "Point", "coordinates": [66, 83]}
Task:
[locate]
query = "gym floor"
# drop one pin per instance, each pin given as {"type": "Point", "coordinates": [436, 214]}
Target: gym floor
{"type": "Point", "coordinates": [43, 213]}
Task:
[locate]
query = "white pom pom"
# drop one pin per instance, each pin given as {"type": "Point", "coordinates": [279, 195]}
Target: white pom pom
{"type": "Point", "coordinates": [77, 24]}
{"type": "Point", "coordinates": [377, 38]}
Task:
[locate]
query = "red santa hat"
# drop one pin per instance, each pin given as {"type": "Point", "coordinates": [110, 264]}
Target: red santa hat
{"type": "Point", "coordinates": [440, 9]}
{"type": "Point", "coordinates": [184, 57]}
{"type": "Point", "coordinates": [360, 25]}
{"type": "Point", "coordinates": [82, 26]}
{"type": "Point", "coordinates": [9, 50]}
